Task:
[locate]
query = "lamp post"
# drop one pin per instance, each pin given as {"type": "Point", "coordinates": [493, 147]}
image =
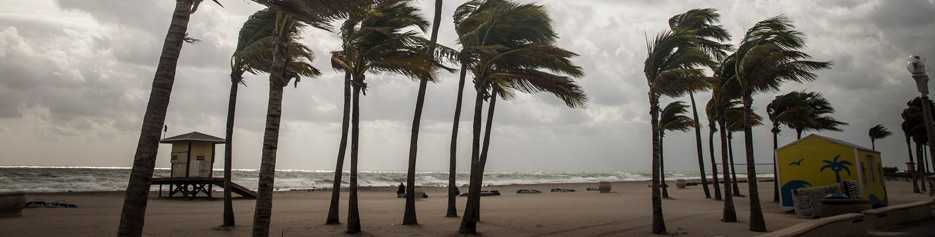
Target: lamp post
{"type": "Point", "coordinates": [916, 67]}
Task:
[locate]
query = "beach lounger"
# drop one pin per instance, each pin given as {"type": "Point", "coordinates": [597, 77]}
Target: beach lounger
{"type": "Point", "coordinates": [528, 191]}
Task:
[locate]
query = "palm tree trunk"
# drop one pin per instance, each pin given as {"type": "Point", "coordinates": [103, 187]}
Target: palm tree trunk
{"type": "Point", "coordinates": [733, 166]}
{"type": "Point", "coordinates": [873, 144]}
{"type": "Point", "coordinates": [662, 166]}
{"type": "Point", "coordinates": [409, 215]}
{"type": "Point", "coordinates": [277, 82]}
{"type": "Point", "coordinates": [133, 213]}
{"type": "Point", "coordinates": [334, 207]}
{"type": "Point", "coordinates": [468, 221]}
{"type": "Point", "coordinates": [798, 134]}
{"type": "Point", "coordinates": [714, 174]}
{"type": "Point", "coordinates": [757, 222]}
{"type": "Point", "coordinates": [659, 225]}
{"type": "Point", "coordinates": [353, 213]}
{"type": "Point", "coordinates": [486, 146]}
{"type": "Point", "coordinates": [730, 215]}
{"type": "Point", "coordinates": [910, 173]}
{"type": "Point", "coordinates": [453, 149]}
{"type": "Point", "coordinates": [704, 178]}
{"type": "Point", "coordinates": [920, 171]}
{"type": "Point", "coordinates": [775, 171]}
{"type": "Point", "coordinates": [236, 78]}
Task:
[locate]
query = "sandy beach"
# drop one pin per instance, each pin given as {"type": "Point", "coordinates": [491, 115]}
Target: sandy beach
{"type": "Point", "coordinates": [301, 213]}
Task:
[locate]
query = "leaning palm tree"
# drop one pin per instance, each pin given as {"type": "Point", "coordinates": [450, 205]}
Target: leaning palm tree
{"type": "Point", "coordinates": [288, 15]}
{"type": "Point", "coordinates": [672, 118]}
{"type": "Point", "coordinates": [133, 214]}
{"type": "Point", "coordinates": [671, 57]}
{"type": "Point", "coordinates": [735, 123]}
{"type": "Point", "coordinates": [877, 132]}
{"type": "Point", "coordinates": [380, 36]}
{"type": "Point", "coordinates": [409, 215]}
{"type": "Point", "coordinates": [785, 109]}
{"type": "Point", "coordinates": [769, 54]}
{"type": "Point", "coordinates": [709, 36]}
{"type": "Point", "coordinates": [818, 115]}
{"type": "Point", "coordinates": [711, 112]}
{"type": "Point", "coordinates": [511, 49]}
{"type": "Point", "coordinates": [253, 53]}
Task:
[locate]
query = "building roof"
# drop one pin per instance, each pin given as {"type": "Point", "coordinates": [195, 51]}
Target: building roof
{"type": "Point", "coordinates": [832, 140]}
{"type": "Point", "coordinates": [193, 137]}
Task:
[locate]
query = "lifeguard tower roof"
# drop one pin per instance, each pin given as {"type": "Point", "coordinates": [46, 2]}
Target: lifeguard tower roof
{"type": "Point", "coordinates": [832, 140]}
{"type": "Point", "coordinates": [193, 137]}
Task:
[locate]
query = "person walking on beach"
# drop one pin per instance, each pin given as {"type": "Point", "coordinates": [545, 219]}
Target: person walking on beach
{"type": "Point", "coordinates": [401, 190]}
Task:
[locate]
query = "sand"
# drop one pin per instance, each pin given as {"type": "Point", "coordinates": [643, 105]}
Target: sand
{"type": "Point", "coordinates": [626, 212]}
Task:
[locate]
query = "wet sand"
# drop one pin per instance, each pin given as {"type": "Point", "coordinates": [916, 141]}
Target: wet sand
{"type": "Point", "coordinates": [625, 212]}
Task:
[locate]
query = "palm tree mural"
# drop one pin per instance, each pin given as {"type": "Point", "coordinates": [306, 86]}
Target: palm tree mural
{"type": "Point", "coordinates": [382, 37]}
{"type": "Point", "coordinates": [877, 132]}
{"type": "Point", "coordinates": [252, 55]}
{"type": "Point", "coordinates": [672, 118]}
{"type": "Point", "coordinates": [133, 214]}
{"type": "Point", "coordinates": [703, 23]}
{"type": "Point", "coordinates": [511, 49]}
{"type": "Point", "coordinates": [769, 54]}
{"type": "Point", "coordinates": [837, 166]}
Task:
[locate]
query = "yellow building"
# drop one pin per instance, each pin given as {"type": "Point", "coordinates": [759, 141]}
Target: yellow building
{"type": "Point", "coordinates": [816, 161]}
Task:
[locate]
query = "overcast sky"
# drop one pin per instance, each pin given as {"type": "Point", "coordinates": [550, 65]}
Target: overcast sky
{"type": "Point", "coordinates": [75, 76]}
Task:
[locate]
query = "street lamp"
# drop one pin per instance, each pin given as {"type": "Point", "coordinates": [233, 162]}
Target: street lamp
{"type": "Point", "coordinates": [916, 67]}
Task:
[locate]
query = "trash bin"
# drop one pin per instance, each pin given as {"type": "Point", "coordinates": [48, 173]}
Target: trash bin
{"type": "Point", "coordinates": [603, 187]}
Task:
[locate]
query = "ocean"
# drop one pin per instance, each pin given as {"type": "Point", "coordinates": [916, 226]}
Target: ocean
{"type": "Point", "coordinates": [92, 179]}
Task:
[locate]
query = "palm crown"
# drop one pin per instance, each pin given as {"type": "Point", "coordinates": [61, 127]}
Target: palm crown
{"type": "Point", "coordinates": [674, 118]}
{"type": "Point", "coordinates": [255, 48]}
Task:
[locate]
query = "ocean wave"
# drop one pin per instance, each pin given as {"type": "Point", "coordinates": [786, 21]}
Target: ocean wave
{"type": "Point", "coordinates": [85, 179]}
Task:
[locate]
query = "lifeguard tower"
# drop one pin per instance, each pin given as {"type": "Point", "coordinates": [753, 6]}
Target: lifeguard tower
{"type": "Point", "coordinates": [192, 173]}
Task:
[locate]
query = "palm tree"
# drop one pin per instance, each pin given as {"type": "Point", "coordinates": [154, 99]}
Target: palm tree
{"type": "Point", "coordinates": [818, 117]}
{"type": "Point", "coordinates": [769, 54]}
{"type": "Point", "coordinates": [379, 36]}
{"type": "Point", "coordinates": [735, 123]}
{"type": "Point", "coordinates": [253, 53]}
{"type": "Point", "coordinates": [289, 16]}
{"type": "Point", "coordinates": [133, 214]}
{"type": "Point", "coordinates": [914, 128]}
{"type": "Point", "coordinates": [907, 127]}
{"type": "Point", "coordinates": [877, 132]}
{"type": "Point", "coordinates": [334, 207]}
{"type": "Point", "coordinates": [509, 48]}
{"type": "Point", "coordinates": [709, 35]}
{"type": "Point", "coordinates": [711, 112]}
{"type": "Point", "coordinates": [672, 118]}
{"type": "Point", "coordinates": [409, 215]}
{"type": "Point", "coordinates": [836, 166]}
{"type": "Point", "coordinates": [784, 110]}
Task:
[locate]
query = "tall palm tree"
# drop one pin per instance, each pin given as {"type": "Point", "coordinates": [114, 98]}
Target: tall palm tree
{"type": "Point", "coordinates": [709, 36]}
{"type": "Point", "coordinates": [289, 15]}
{"type": "Point", "coordinates": [877, 132]}
{"type": "Point", "coordinates": [334, 206]}
{"type": "Point", "coordinates": [671, 57]}
{"type": "Point", "coordinates": [735, 123]}
{"type": "Point", "coordinates": [380, 36]}
{"type": "Point", "coordinates": [711, 112]}
{"type": "Point", "coordinates": [672, 118]}
{"type": "Point", "coordinates": [253, 53]}
{"type": "Point", "coordinates": [784, 110]}
{"type": "Point", "coordinates": [133, 214]}
{"type": "Point", "coordinates": [509, 48]}
{"type": "Point", "coordinates": [769, 54]}
{"type": "Point", "coordinates": [907, 127]}
{"type": "Point", "coordinates": [914, 128]}
{"type": "Point", "coordinates": [409, 215]}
